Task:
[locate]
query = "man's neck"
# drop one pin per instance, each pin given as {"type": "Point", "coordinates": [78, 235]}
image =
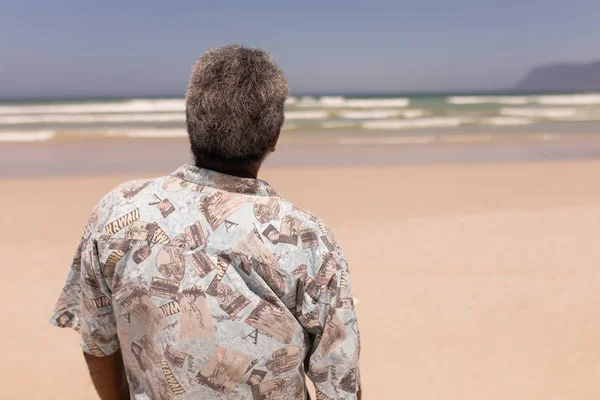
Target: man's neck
{"type": "Point", "coordinates": [246, 171]}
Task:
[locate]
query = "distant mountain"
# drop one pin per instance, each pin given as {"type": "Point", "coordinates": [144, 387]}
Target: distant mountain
{"type": "Point", "coordinates": [562, 77]}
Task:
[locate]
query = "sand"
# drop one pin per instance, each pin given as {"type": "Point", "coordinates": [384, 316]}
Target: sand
{"type": "Point", "coordinates": [472, 281]}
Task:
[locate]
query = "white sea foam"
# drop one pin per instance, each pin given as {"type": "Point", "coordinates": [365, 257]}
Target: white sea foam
{"type": "Point", "coordinates": [307, 101]}
{"type": "Point", "coordinates": [291, 100]}
{"type": "Point", "coordinates": [306, 115]}
{"type": "Point", "coordinates": [332, 101]}
{"type": "Point", "coordinates": [146, 133]}
{"type": "Point", "coordinates": [338, 124]}
{"type": "Point", "coordinates": [551, 113]}
{"type": "Point", "coordinates": [415, 123]}
{"type": "Point", "coordinates": [135, 105]}
{"type": "Point", "coordinates": [89, 118]}
{"type": "Point", "coordinates": [506, 121]}
{"type": "Point", "coordinates": [570, 100]}
{"type": "Point", "coordinates": [560, 100]}
{"type": "Point", "coordinates": [342, 102]}
{"type": "Point", "coordinates": [371, 114]}
{"type": "Point", "coordinates": [379, 113]}
{"type": "Point", "coordinates": [24, 136]}
{"type": "Point", "coordinates": [387, 140]}
{"type": "Point", "coordinates": [470, 100]}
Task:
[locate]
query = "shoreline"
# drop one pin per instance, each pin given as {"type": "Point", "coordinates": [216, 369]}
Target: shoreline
{"type": "Point", "coordinates": [559, 130]}
{"type": "Point", "coordinates": [118, 156]}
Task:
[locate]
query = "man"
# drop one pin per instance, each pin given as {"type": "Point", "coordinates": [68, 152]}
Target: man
{"type": "Point", "coordinates": [205, 284]}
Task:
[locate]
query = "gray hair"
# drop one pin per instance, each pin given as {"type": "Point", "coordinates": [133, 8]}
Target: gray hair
{"type": "Point", "coordinates": [234, 104]}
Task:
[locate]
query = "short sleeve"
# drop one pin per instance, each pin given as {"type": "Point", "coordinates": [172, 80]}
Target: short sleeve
{"type": "Point", "coordinates": [328, 314]}
{"type": "Point", "coordinates": [85, 302]}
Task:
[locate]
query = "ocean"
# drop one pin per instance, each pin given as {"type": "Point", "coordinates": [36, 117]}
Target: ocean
{"type": "Point", "coordinates": [411, 118]}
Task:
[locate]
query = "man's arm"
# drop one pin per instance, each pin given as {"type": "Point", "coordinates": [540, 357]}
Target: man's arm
{"type": "Point", "coordinates": [108, 375]}
{"type": "Point", "coordinates": [85, 305]}
{"type": "Point", "coordinates": [327, 313]}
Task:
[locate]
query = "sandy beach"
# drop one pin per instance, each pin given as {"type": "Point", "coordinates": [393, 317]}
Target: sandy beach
{"type": "Point", "coordinates": [472, 281]}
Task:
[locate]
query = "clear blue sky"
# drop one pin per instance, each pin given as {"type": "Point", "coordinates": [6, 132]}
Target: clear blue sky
{"type": "Point", "coordinates": [146, 47]}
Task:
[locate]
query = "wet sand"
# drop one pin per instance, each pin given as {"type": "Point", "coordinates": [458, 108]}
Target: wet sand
{"type": "Point", "coordinates": [473, 281]}
{"type": "Point", "coordinates": [101, 156]}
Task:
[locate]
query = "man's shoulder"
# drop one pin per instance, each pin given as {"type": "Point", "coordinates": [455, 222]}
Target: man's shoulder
{"type": "Point", "coordinates": [129, 191]}
{"type": "Point", "coordinates": [124, 198]}
{"type": "Point", "coordinates": [303, 215]}
{"type": "Point", "coordinates": [306, 219]}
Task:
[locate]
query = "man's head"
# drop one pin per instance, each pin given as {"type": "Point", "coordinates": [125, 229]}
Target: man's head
{"type": "Point", "coordinates": [234, 106]}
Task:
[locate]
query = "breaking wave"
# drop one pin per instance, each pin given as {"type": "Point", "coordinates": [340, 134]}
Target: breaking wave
{"type": "Point", "coordinates": [555, 99]}
{"type": "Point", "coordinates": [415, 123]}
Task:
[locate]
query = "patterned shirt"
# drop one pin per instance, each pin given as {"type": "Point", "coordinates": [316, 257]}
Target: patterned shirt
{"type": "Point", "coordinates": [213, 287]}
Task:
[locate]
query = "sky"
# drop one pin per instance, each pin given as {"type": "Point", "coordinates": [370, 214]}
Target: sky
{"type": "Point", "coordinates": [83, 48]}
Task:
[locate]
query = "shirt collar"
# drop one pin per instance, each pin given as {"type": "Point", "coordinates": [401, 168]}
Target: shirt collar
{"type": "Point", "coordinates": [229, 183]}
